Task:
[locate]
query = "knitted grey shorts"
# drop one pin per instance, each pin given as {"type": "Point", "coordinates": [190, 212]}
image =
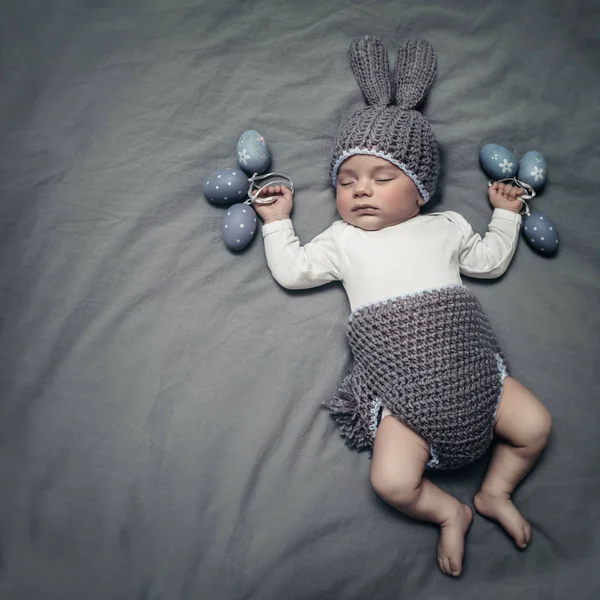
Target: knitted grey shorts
{"type": "Point", "coordinates": [432, 360]}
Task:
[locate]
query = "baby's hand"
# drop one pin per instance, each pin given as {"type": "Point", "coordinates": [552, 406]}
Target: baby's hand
{"type": "Point", "coordinates": [505, 195]}
{"type": "Point", "coordinates": [278, 210]}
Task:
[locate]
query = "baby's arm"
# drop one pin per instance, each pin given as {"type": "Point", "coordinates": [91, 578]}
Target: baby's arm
{"type": "Point", "coordinates": [294, 266]}
{"type": "Point", "coordinates": [489, 257]}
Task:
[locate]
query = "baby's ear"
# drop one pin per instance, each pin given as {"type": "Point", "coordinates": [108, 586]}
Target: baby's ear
{"type": "Point", "coordinates": [415, 70]}
{"type": "Point", "coordinates": [369, 62]}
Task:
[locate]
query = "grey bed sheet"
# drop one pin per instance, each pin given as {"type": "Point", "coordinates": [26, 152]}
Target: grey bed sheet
{"type": "Point", "coordinates": [161, 435]}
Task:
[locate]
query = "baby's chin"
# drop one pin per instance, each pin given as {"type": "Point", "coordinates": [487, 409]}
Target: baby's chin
{"type": "Point", "coordinates": [373, 222]}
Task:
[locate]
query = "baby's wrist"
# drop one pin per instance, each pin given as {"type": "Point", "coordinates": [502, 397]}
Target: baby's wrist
{"type": "Point", "coordinates": [516, 208]}
{"type": "Point", "coordinates": [275, 218]}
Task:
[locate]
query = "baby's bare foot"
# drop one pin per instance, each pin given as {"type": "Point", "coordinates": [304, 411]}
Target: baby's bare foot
{"type": "Point", "coordinates": [452, 541]}
{"type": "Point", "coordinates": [500, 508]}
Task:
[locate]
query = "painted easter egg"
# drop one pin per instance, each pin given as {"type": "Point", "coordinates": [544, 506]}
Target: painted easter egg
{"type": "Point", "coordinates": [239, 226]}
{"type": "Point", "coordinates": [541, 234]}
{"type": "Point", "coordinates": [533, 170]}
{"type": "Point", "coordinates": [497, 161]}
{"type": "Point", "coordinates": [226, 186]}
{"type": "Point", "coordinates": [253, 153]}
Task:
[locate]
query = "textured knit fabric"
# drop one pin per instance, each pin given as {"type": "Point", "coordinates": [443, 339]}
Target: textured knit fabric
{"type": "Point", "coordinates": [390, 126]}
{"type": "Point", "coordinates": [432, 359]}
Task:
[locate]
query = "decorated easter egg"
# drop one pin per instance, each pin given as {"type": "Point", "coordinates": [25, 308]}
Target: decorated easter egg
{"type": "Point", "coordinates": [253, 153]}
{"type": "Point", "coordinates": [533, 170]}
{"type": "Point", "coordinates": [497, 161]}
{"type": "Point", "coordinates": [541, 233]}
{"type": "Point", "coordinates": [226, 186]}
{"type": "Point", "coordinates": [239, 226]}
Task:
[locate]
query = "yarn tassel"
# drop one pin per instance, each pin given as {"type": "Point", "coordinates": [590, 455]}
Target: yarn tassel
{"type": "Point", "coordinates": [343, 408]}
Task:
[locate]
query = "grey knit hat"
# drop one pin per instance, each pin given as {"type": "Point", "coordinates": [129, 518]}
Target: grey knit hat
{"type": "Point", "coordinates": [389, 127]}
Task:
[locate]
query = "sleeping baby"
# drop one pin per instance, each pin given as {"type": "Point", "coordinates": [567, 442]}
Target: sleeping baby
{"type": "Point", "coordinates": [429, 386]}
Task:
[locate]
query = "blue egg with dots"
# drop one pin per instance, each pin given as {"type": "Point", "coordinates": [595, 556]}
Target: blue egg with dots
{"type": "Point", "coordinates": [497, 161]}
{"type": "Point", "coordinates": [239, 226]}
{"type": "Point", "coordinates": [541, 234]}
{"type": "Point", "coordinates": [533, 170]}
{"type": "Point", "coordinates": [226, 186]}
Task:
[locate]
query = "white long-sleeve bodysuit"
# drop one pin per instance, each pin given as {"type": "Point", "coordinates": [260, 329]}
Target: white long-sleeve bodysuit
{"type": "Point", "coordinates": [455, 352]}
{"type": "Point", "coordinates": [425, 252]}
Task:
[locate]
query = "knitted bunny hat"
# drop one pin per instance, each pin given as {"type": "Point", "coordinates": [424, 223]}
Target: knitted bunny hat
{"type": "Point", "coordinates": [389, 127]}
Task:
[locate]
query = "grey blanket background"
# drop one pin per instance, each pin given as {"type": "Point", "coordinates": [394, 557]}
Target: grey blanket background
{"type": "Point", "coordinates": [160, 429]}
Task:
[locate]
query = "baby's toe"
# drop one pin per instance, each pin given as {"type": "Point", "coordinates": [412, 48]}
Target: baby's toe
{"type": "Point", "coordinates": [455, 569]}
{"type": "Point", "coordinates": [527, 534]}
{"type": "Point", "coordinates": [523, 537]}
{"type": "Point", "coordinates": [441, 564]}
{"type": "Point", "coordinates": [444, 566]}
{"type": "Point", "coordinates": [447, 567]}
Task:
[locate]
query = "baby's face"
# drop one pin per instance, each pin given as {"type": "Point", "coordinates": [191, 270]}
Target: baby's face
{"type": "Point", "coordinates": [372, 193]}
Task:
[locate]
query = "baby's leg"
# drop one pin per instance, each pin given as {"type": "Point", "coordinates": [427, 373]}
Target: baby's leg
{"type": "Point", "coordinates": [399, 459]}
{"type": "Point", "coordinates": [523, 426]}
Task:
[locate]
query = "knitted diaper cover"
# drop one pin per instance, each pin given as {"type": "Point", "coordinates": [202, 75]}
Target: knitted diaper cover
{"type": "Point", "coordinates": [432, 360]}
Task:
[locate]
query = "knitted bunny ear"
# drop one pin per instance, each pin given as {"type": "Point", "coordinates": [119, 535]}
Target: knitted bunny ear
{"type": "Point", "coordinates": [369, 62]}
{"type": "Point", "coordinates": [415, 69]}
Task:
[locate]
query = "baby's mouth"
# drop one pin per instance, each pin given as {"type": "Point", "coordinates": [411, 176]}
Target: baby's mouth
{"type": "Point", "coordinates": [364, 208]}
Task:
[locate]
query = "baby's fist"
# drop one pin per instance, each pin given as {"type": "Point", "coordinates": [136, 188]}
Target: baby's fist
{"type": "Point", "coordinates": [505, 195]}
{"type": "Point", "coordinates": [277, 210]}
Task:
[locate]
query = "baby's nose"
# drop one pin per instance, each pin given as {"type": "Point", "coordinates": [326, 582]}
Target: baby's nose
{"type": "Point", "coordinates": [363, 187]}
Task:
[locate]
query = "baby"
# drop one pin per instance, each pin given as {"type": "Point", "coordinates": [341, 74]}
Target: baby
{"type": "Point", "coordinates": [429, 386]}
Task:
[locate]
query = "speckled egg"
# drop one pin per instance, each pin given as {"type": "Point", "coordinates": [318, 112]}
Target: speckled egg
{"type": "Point", "coordinates": [541, 234]}
{"type": "Point", "coordinates": [253, 152]}
{"type": "Point", "coordinates": [533, 170]}
{"type": "Point", "coordinates": [497, 161]}
{"type": "Point", "coordinates": [239, 226]}
{"type": "Point", "coordinates": [226, 186]}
